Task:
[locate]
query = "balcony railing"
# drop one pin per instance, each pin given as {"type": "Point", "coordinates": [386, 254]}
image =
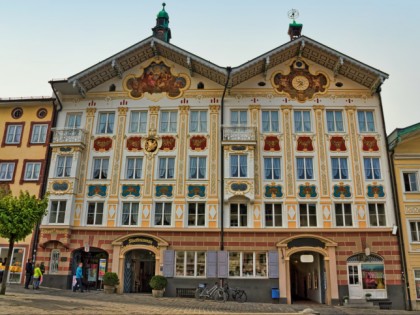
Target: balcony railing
{"type": "Point", "coordinates": [69, 135]}
{"type": "Point", "coordinates": [239, 134]}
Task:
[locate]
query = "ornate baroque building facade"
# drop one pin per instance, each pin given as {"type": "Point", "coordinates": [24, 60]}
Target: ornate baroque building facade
{"type": "Point", "coordinates": [270, 174]}
{"type": "Point", "coordinates": [25, 136]}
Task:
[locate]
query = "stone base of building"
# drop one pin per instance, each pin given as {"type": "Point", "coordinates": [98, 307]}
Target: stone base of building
{"type": "Point", "coordinates": [57, 281]}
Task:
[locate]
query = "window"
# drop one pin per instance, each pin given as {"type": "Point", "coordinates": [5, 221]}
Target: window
{"type": "Point", "coordinates": [168, 122]}
{"type": "Point", "coordinates": [198, 121]}
{"type": "Point", "coordinates": [239, 118]}
{"type": "Point", "coordinates": [134, 168]}
{"type": "Point", "coordinates": [417, 280]}
{"type": "Point", "coordinates": [415, 231]}
{"type": "Point", "coordinates": [353, 274]}
{"type": "Point", "coordinates": [366, 122]}
{"type": "Point", "coordinates": [377, 215]}
{"type": "Point", "coordinates": [190, 264]}
{"type": "Point", "coordinates": [196, 214]}
{"type": "Point", "coordinates": [130, 213]}
{"type": "Point", "coordinates": [95, 213]}
{"type": "Point", "coordinates": [343, 215]}
{"type": "Point", "coordinates": [197, 167]}
{"type": "Point", "coordinates": [305, 168]}
{"type": "Point", "coordinates": [335, 121]}
{"type": "Point", "coordinates": [73, 120]}
{"type": "Point", "coordinates": [55, 258]}
{"type": "Point", "coordinates": [32, 170]}
{"type": "Point", "coordinates": [247, 264]}
{"type": "Point", "coordinates": [63, 166]}
{"type": "Point", "coordinates": [57, 211]}
{"type": "Point", "coordinates": [106, 123]}
{"type": "Point", "coordinates": [238, 215]}
{"type": "Point", "coordinates": [272, 168]}
{"type": "Point", "coordinates": [410, 182]}
{"type": "Point", "coordinates": [7, 171]}
{"type": "Point", "coordinates": [372, 168]}
{"type": "Point", "coordinates": [138, 122]}
{"type": "Point", "coordinates": [166, 168]}
{"type": "Point", "coordinates": [39, 133]}
{"type": "Point", "coordinates": [163, 214]}
{"type": "Point", "coordinates": [238, 165]}
{"type": "Point", "coordinates": [302, 120]}
{"type": "Point", "coordinates": [270, 121]}
{"type": "Point", "coordinates": [100, 168]}
{"type": "Point", "coordinates": [307, 215]}
{"type": "Point", "coordinates": [13, 134]}
{"type": "Point", "coordinates": [339, 168]}
{"type": "Point", "coordinates": [273, 215]}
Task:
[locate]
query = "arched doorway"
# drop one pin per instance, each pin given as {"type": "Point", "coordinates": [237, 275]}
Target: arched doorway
{"type": "Point", "coordinates": [139, 268]}
{"type": "Point", "coordinates": [92, 260]}
{"type": "Point", "coordinates": [366, 274]}
{"type": "Point", "coordinates": [307, 277]}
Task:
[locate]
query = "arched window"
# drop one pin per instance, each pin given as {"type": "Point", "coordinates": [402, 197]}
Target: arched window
{"type": "Point", "coordinates": [112, 88]}
{"type": "Point", "coordinates": [200, 85]}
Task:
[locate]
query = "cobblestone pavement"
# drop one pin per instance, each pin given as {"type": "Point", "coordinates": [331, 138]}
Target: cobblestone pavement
{"type": "Point", "coordinates": [52, 301]}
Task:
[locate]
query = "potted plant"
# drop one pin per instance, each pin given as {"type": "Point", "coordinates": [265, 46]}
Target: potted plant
{"type": "Point", "coordinates": [367, 296]}
{"type": "Point", "coordinates": [110, 281]}
{"type": "Point", "coordinates": [158, 284]}
{"type": "Point", "coordinates": [346, 299]}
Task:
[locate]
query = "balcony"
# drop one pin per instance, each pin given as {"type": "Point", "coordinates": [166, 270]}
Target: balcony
{"type": "Point", "coordinates": [239, 134]}
{"type": "Point", "coordinates": [72, 137]}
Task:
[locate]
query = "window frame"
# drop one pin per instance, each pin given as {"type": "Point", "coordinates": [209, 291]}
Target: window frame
{"type": "Point", "coordinates": [59, 210]}
{"type": "Point", "coordinates": [169, 204]}
{"type": "Point", "coordinates": [6, 133]}
{"type": "Point", "coordinates": [167, 159]}
{"type": "Point", "coordinates": [34, 126]}
{"type": "Point", "coordinates": [231, 156]}
{"type": "Point", "coordinates": [270, 121]}
{"type": "Point", "coordinates": [410, 183]}
{"type": "Point", "coordinates": [302, 121]}
{"type": "Point", "coordinates": [95, 213]}
{"type": "Point", "coordinates": [372, 169]}
{"type": "Point", "coordinates": [107, 123]}
{"type": "Point", "coordinates": [185, 263]}
{"type": "Point", "coordinates": [9, 162]}
{"type": "Point", "coordinates": [135, 169]}
{"type": "Point", "coordinates": [241, 265]}
{"type": "Point", "coordinates": [417, 225]}
{"type": "Point", "coordinates": [79, 114]}
{"type": "Point", "coordinates": [417, 279]}
{"type": "Point", "coordinates": [305, 158]}
{"type": "Point", "coordinates": [308, 215]}
{"type": "Point", "coordinates": [273, 214]}
{"type": "Point", "coordinates": [343, 215]}
{"type": "Point", "coordinates": [197, 169]}
{"type": "Point", "coordinates": [199, 121]}
{"type": "Point", "coordinates": [334, 122]}
{"type": "Point", "coordinates": [101, 169]}
{"type": "Point", "coordinates": [340, 168]}
{"type": "Point", "coordinates": [240, 123]}
{"type": "Point", "coordinates": [239, 215]}
{"type": "Point", "coordinates": [377, 215]}
{"type": "Point", "coordinates": [65, 166]}
{"type": "Point", "coordinates": [33, 163]}
{"type": "Point", "coordinates": [196, 214]}
{"type": "Point", "coordinates": [366, 124]}
{"type": "Point", "coordinates": [171, 115]}
{"type": "Point", "coordinates": [272, 158]}
{"type": "Point", "coordinates": [131, 213]}
{"type": "Point", "coordinates": [141, 124]}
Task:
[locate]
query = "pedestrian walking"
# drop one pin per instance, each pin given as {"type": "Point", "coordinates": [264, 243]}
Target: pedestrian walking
{"type": "Point", "coordinates": [37, 277]}
{"type": "Point", "coordinates": [29, 271]}
{"type": "Point", "coordinates": [79, 278]}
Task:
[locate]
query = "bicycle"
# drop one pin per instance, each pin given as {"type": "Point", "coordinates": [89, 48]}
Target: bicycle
{"type": "Point", "coordinates": [238, 295]}
{"type": "Point", "coordinates": [215, 292]}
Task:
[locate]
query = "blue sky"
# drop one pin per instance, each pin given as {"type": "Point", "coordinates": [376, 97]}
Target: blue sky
{"type": "Point", "coordinates": [46, 39]}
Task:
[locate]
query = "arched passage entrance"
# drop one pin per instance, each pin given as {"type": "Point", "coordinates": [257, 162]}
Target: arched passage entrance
{"type": "Point", "coordinates": [139, 268]}
{"type": "Point", "coordinates": [323, 267]}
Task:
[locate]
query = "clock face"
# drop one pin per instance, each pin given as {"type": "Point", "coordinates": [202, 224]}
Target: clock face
{"type": "Point", "coordinates": [300, 83]}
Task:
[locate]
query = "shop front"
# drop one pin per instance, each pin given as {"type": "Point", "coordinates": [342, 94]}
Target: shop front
{"type": "Point", "coordinates": [17, 267]}
{"type": "Point", "coordinates": [95, 262]}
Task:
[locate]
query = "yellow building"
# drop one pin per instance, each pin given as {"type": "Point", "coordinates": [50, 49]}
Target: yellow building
{"type": "Point", "coordinates": [404, 144]}
{"type": "Point", "coordinates": [25, 126]}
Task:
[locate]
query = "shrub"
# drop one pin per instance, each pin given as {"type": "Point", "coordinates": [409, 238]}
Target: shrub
{"type": "Point", "coordinates": [158, 282]}
{"type": "Point", "coordinates": [111, 278]}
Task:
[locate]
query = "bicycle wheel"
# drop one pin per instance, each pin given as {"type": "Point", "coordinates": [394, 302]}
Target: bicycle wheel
{"type": "Point", "coordinates": [241, 296]}
{"type": "Point", "coordinates": [198, 293]}
{"type": "Point", "coordinates": [220, 295]}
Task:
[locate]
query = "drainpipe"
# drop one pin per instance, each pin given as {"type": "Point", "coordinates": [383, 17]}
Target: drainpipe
{"type": "Point", "coordinates": [390, 160]}
{"type": "Point", "coordinates": [222, 162]}
{"type": "Point", "coordinates": [46, 170]}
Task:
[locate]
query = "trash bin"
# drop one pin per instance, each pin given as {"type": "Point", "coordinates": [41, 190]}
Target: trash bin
{"type": "Point", "coordinates": [275, 293]}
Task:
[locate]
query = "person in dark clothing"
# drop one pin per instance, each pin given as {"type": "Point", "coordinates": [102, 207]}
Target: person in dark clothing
{"type": "Point", "coordinates": [29, 271]}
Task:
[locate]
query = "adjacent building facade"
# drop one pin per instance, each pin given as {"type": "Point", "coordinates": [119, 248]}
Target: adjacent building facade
{"type": "Point", "coordinates": [272, 174]}
{"type": "Point", "coordinates": [404, 145]}
{"type": "Point", "coordinates": [25, 136]}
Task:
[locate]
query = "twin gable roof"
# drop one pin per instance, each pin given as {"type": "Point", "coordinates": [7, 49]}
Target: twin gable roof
{"type": "Point", "coordinates": [306, 47]}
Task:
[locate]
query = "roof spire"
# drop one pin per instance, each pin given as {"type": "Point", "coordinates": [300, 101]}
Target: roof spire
{"type": "Point", "coordinates": [162, 30]}
{"type": "Point", "coordinates": [295, 29]}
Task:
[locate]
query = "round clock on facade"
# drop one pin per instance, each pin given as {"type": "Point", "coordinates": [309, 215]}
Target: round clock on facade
{"type": "Point", "coordinates": [300, 83]}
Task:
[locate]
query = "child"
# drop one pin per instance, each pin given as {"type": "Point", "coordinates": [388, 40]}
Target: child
{"type": "Point", "coordinates": [37, 277]}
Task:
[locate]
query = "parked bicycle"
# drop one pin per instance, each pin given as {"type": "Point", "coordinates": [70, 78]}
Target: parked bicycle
{"type": "Point", "coordinates": [237, 295]}
{"type": "Point", "coordinates": [215, 292]}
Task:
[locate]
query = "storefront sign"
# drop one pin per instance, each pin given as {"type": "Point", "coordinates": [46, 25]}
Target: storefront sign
{"type": "Point", "coordinates": [140, 241]}
{"type": "Point", "coordinates": [102, 268]}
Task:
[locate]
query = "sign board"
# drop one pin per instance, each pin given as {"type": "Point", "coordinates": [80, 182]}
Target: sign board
{"type": "Point", "coordinates": [140, 241]}
{"type": "Point", "coordinates": [102, 268]}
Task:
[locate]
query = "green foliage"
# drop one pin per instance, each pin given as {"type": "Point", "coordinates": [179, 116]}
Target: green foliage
{"type": "Point", "coordinates": [18, 215]}
{"type": "Point", "coordinates": [158, 282]}
{"type": "Point", "coordinates": [111, 278]}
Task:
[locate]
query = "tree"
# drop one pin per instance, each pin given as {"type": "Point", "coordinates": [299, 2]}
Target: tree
{"type": "Point", "coordinates": [18, 217]}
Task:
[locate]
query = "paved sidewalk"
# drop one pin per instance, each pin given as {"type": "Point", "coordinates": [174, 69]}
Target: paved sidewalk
{"type": "Point", "coordinates": [53, 301]}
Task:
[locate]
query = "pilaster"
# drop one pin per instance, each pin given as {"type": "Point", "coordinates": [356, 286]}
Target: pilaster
{"type": "Point", "coordinates": [213, 166]}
